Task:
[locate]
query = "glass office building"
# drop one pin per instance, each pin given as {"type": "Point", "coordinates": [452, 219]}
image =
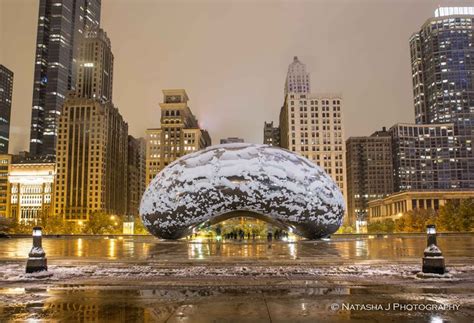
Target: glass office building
{"type": "Point", "coordinates": [442, 58]}
{"type": "Point", "coordinates": [61, 24]}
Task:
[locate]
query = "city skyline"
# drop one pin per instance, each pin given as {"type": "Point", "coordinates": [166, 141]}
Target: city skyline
{"type": "Point", "coordinates": [251, 82]}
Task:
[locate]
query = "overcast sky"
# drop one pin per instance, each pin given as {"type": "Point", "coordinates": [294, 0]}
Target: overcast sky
{"type": "Point", "coordinates": [232, 58]}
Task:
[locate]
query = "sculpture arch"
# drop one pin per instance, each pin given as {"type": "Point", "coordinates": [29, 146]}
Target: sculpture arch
{"type": "Point", "coordinates": [220, 181]}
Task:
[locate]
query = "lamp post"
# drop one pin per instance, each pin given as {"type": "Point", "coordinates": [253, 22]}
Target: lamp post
{"type": "Point", "coordinates": [433, 260]}
{"type": "Point", "coordinates": [37, 257]}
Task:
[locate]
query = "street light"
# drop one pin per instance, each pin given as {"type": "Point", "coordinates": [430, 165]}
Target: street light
{"type": "Point", "coordinates": [37, 257]}
{"type": "Point", "coordinates": [431, 229]}
{"type": "Point", "coordinates": [433, 260]}
{"type": "Point", "coordinates": [431, 232]}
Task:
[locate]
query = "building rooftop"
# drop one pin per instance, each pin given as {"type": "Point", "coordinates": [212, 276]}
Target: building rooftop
{"type": "Point", "coordinates": [450, 11]}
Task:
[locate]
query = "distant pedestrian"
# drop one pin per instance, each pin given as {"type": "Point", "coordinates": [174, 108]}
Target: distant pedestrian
{"type": "Point", "coordinates": [270, 236]}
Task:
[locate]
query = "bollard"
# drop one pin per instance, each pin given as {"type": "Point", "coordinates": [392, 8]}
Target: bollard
{"type": "Point", "coordinates": [433, 260]}
{"type": "Point", "coordinates": [37, 257]}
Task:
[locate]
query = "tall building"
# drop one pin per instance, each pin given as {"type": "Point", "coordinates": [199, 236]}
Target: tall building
{"type": "Point", "coordinates": [231, 140]}
{"type": "Point", "coordinates": [5, 165]}
{"type": "Point", "coordinates": [297, 79]}
{"type": "Point", "coordinates": [443, 87]}
{"type": "Point", "coordinates": [95, 66]}
{"type": "Point", "coordinates": [311, 125]}
{"type": "Point", "coordinates": [61, 24]}
{"type": "Point", "coordinates": [424, 157]}
{"type": "Point", "coordinates": [369, 172]}
{"type": "Point", "coordinates": [179, 134]}
{"type": "Point", "coordinates": [136, 173]}
{"type": "Point", "coordinates": [271, 134]}
{"type": "Point", "coordinates": [31, 189]}
{"type": "Point", "coordinates": [6, 91]}
{"type": "Point", "coordinates": [91, 155]}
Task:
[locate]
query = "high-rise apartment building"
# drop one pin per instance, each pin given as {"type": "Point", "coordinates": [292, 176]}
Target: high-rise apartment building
{"type": "Point", "coordinates": [424, 157]}
{"type": "Point", "coordinates": [369, 172]}
{"type": "Point", "coordinates": [91, 156]}
{"type": "Point", "coordinates": [179, 134]}
{"type": "Point", "coordinates": [231, 140]}
{"type": "Point", "coordinates": [311, 125]}
{"type": "Point", "coordinates": [297, 79]}
{"type": "Point", "coordinates": [61, 25]}
{"type": "Point", "coordinates": [136, 179]}
{"type": "Point", "coordinates": [271, 134]}
{"type": "Point", "coordinates": [443, 88]}
{"type": "Point", "coordinates": [6, 92]}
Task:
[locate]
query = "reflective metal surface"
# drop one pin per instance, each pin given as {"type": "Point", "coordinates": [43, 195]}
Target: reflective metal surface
{"type": "Point", "coordinates": [265, 182]}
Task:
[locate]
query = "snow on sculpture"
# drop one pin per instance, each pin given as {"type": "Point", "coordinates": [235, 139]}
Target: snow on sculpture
{"type": "Point", "coordinates": [224, 181]}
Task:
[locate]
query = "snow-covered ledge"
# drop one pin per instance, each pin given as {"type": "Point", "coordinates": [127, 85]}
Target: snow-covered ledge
{"type": "Point", "coordinates": [268, 182]}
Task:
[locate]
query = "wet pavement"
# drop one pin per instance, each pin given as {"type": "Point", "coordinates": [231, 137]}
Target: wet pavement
{"type": "Point", "coordinates": [148, 249]}
{"type": "Point", "coordinates": [142, 279]}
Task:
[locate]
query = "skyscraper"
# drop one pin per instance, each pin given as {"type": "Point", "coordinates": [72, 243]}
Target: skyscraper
{"type": "Point", "coordinates": [179, 134]}
{"type": "Point", "coordinates": [91, 157]}
{"type": "Point", "coordinates": [443, 87]}
{"type": "Point", "coordinates": [136, 173]}
{"type": "Point", "coordinates": [424, 157]}
{"type": "Point", "coordinates": [297, 79]}
{"type": "Point", "coordinates": [311, 125]}
{"type": "Point", "coordinates": [6, 91]}
{"type": "Point", "coordinates": [369, 172]}
{"type": "Point", "coordinates": [61, 24]}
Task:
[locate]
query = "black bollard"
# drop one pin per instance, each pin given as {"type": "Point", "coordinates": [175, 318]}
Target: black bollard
{"type": "Point", "coordinates": [37, 257]}
{"type": "Point", "coordinates": [433, 260]}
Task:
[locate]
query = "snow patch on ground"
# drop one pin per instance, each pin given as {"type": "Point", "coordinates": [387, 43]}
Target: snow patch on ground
{"type": "Point", "coordinates": [15, 272]}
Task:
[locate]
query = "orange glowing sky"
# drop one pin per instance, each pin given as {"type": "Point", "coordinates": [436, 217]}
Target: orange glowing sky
{"type": "Point", "coordinates": [232, 57]}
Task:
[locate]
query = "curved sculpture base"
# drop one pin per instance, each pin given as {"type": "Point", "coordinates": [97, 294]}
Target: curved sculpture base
{"type": "Point", "coordinates": [299, 229]}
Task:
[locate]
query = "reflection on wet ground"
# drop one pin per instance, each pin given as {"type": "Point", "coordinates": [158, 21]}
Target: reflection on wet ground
{"type": "Point", "coordinates": [220, 304]}
{"type": "Point", "coordinates": [398, 248]}
{"type": "Point", "coordinates": [114, 295]}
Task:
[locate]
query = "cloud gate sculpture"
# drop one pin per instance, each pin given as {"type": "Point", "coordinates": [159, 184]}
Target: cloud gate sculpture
{"type": "Point", "coordinates": [231, 180]}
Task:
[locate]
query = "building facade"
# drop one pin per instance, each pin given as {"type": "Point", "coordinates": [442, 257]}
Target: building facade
{"type": "Point", "coordinates": [312, 126]}
{"type": "Point", "coordinates": [424, 157]}
{"type": "Point", "coordinates": [231, 140]}
{"type": "Point", "coordinates": [91, 156]}
{"type": "Point", "coordinates": [61, 25]}
{"type": "Point", "coordinates": [31, 189]}
{"type": "Point", "coordinates": [136, 173]}
{"type": "Point", "coordinates": [5, 166]}
{"type": "Point", "coordinates": [394, 206]}
{"type": "Point", "coordinates": [6, 92]}
{"type": "Point", "coordinates": [297, 78]}
{"type": "Point", "coordinates": [91, 160]}
{"type": "Point", "coordinates": [369, 172]}
{"type": "Point", "coordinates": [443, 88]}
{"type": "Point", "coordinates": [179, 133]}
{"type": "Point", "coordinates": [271, 134]}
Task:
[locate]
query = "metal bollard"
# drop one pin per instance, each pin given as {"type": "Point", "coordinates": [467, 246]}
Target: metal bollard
{"type": "Point", "coordinates": [37, 257]}
{"type": "Point", "coordinates": [433, 260]}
